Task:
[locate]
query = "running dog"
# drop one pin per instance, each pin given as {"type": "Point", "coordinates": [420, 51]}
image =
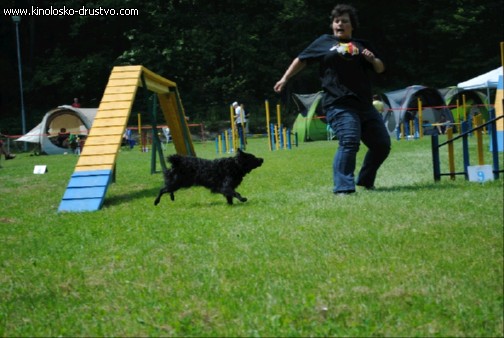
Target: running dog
{"type": "Point", "coordinates": [221, 175]}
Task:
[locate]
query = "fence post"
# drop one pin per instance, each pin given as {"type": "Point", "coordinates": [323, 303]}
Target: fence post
{"type": "Point", "coordinates": [435, 157]}
{"type": "Point", "coordinates": [268, 126]}
{"type": "Point", "coordinates": [493, 140]}
{"type": "Point", "coordinates": [465, 147]}
{"type": "Point", "coordinates": [451, 155]}
{"type": "Point", "coordinates": [479, 139]}
{"type": "Point", "coordinates": [420, 118]}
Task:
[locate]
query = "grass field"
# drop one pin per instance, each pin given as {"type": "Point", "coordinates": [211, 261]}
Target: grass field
{"type": "Point", "coordinates": [412, 258]}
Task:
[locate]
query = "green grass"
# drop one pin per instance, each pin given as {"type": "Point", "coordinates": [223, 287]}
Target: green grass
{"type": "Point", "coordinates": [413, 258]}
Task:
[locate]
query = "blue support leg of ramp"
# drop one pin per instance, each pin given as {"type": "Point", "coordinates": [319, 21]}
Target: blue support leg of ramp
{"type": "Point", "coordinates": [86, 191]}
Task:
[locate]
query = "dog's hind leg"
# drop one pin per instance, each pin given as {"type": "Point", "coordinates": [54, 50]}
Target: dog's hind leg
{"type": "Point", "coordinates": [161, 192]}
{"type": "Point", "coordinates": [229, 197]}
{"type": "Point", "coordinates": [165, 190]}
{"type": "Point", "coordinates": [239, 197]}
{"type": "Point", "coordinates": [170, 186]}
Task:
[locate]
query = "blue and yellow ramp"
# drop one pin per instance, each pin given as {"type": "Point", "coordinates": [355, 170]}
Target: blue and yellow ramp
{"type": "Point", "coordinates": [94, 170]}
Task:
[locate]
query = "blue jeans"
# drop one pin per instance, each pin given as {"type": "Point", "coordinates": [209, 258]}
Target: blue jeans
{"type": "Point", "coordinates": [350, 127]}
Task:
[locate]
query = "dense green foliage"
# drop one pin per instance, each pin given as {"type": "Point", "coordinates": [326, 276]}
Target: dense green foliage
{"type": "Point", "coordinates": [413, 258]}
{"type": "Point", "coordinates": [222, 50]}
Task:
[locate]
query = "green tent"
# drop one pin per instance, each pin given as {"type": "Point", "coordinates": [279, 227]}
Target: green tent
{"type": "Point", "coordinates": [310, 124]}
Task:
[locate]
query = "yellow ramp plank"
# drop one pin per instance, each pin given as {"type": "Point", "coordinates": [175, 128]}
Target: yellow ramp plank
{"type": "Point", "coordinates": [100, 149]}
{"type": "Point", "coordinates": [114, 105]}
{"type": "Point", "coordinates": [138, 68]}
{"type": "Point", "coordinates": [113, 97]}
{"type": "Point", "coordinates": [97, 160]}
{"type": "Point", "coordinates": [110, 122]}
{"type": "Point", "coordinates": [124, 82]}
{"type": "Point", "coordinates": [113, 113]}
{"type": "Point", "coordinates": [127, 69]}
{"type": "Point", "coordinates": [124, 75]}
{"type": "Point", "coordinates": [107, 131]}
{"type": "Point", "coordinates": [94, 167]}
{"type": "Point", "coordinates": [103, 140]}
{"type": "Point", "coordinates": [131, 89]}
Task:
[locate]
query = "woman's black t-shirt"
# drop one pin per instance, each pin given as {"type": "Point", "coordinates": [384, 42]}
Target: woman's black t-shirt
{"type": "Point", "coordinates": [343, 70]}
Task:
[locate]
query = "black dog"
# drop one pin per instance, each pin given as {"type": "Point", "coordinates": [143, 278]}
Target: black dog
{"type": "Point", "coordinates": [222, 175]}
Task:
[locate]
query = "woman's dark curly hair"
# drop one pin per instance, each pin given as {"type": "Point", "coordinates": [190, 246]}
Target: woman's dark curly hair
{"type": "Point", "coordinates": [341, 9]}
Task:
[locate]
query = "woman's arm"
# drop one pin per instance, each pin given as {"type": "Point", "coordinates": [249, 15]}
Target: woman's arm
{"type": "Point", "coordinates": [295, 67]}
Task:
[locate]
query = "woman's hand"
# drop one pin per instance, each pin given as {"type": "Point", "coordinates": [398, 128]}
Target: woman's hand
{"type": "Point", "coordinates": [378, 65]}
{"type": "Point", "coordinates": [280, 85]}
{"type": "Point", "coordinates": [295, 67]}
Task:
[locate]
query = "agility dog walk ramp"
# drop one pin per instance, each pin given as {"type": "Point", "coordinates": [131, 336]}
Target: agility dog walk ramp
{"type": "Point", "coordinates": [93, 173]}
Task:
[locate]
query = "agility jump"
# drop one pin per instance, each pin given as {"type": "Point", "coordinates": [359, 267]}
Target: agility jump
{"type": "Point", "coordinates": [95, 167]}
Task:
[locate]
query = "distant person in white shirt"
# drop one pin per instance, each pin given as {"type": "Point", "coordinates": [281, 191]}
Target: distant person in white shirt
{"type": "Point", "coordinates": [239, 115]}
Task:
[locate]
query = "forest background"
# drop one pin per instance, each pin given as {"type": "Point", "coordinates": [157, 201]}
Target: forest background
{"type": "Point", "coordinates": [225, 50]}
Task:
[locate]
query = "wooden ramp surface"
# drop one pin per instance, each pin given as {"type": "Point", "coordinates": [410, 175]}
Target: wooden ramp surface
{"type": "Point", "coordinates": [93, 172]}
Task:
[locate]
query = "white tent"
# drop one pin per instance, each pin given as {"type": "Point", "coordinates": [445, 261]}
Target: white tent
{"type": "Point", "coordinates": [487, 80]}
{"type": "Point", "coordinates": [74, 120]}
{"type": "Point", "coordinates": [492, 79]}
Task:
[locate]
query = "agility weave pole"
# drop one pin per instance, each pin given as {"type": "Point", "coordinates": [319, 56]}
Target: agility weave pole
{"type": "Point", "coordinates": [279, 137]}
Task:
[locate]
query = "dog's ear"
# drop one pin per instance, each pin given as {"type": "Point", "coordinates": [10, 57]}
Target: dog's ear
{"type": "Point", "coordinates": [239, 151]}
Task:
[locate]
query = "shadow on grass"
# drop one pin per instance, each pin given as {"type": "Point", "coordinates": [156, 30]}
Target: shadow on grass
{"type": "Point", "coordinates": [209, 201]}
{"type": "Point", "coordinates": [416, 187]}
{"type": "Point", "coordinates": [134, 195]}
{"type": "Point", "coordinates": [212, 201]}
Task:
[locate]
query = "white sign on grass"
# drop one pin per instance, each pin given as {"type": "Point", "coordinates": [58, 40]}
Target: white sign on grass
{"type": "Point", "coordinates": [40, 169]}
{"type": "Point", "coordinates": [480, 173]}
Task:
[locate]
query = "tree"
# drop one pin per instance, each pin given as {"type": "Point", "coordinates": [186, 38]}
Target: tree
{"type": "Point", "coordinates": [219, 51]}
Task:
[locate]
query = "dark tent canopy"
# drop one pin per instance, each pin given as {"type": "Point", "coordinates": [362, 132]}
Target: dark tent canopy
{"type": "Point", "coordinates": [402, 105]}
